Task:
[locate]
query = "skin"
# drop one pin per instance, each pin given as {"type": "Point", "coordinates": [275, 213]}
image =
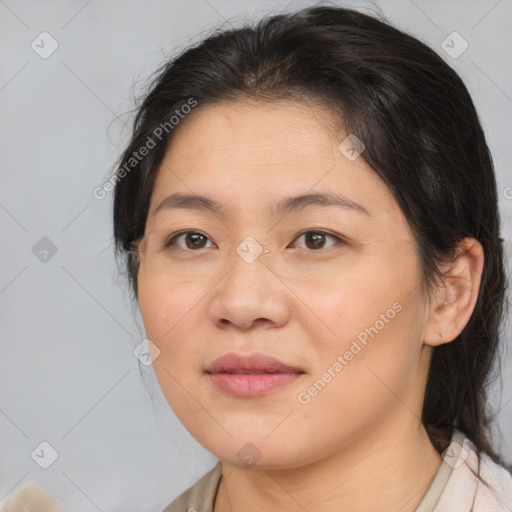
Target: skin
{"type": "Point", "coordinates": [359, 444]}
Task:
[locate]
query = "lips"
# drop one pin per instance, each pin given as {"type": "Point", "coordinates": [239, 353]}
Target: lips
{"type": "Point", "coordinates": [251, 375]}
{"type": "Point", "coordinates": [253, 363]}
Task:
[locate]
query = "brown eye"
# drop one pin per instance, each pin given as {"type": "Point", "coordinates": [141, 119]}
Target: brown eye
{"type": "Point", "coordinates": [315, 240]}
{"type": "Point", "coordinates": [192, 240]}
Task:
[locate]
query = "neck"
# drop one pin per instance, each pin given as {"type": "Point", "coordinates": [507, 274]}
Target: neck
{"type": "Point", "coordinates": [385, 470]}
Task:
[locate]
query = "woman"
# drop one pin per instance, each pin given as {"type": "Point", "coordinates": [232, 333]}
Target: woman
{"type": "Point", "coordinates": [308, 213]}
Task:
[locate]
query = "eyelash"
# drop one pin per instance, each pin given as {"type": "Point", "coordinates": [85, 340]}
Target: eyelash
{"type": "Point", "coordinates": [170, 243]}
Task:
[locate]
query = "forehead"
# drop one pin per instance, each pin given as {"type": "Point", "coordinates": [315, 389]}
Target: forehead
{"type": "Point", "coordinates": [254, 139]}
{"type": "Point", "coordinates": [253, 131]}
{"type": "Point", "coordinates": [249, 153]}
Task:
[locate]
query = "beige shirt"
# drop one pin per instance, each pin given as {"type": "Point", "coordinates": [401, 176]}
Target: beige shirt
{"type": "Point", "coordinates": [455, 487]}
{"type": "Point", "coordinates": [32, 497]}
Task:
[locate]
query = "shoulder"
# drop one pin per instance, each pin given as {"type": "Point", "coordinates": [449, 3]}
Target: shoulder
{"type": "Point", "coordinates": [200, 496]}
{"type": "Point", "coordinates": [476, 482]}
{"type": "Point", "coordinates": [494, 487]}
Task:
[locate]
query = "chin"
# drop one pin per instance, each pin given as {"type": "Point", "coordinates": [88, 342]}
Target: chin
{"type": "Point", "coordinates": [256, 451]}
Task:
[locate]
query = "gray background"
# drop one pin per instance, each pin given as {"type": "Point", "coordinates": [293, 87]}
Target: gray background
{"type": "Point", "coordinates": [68, 373]}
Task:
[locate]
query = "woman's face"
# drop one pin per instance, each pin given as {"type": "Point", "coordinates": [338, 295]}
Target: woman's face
{"type": "Point", "coordinates": [330, 288]}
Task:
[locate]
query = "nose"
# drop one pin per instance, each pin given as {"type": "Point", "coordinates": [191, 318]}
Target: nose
{"type": "Point", "coordinates": [249, 294]}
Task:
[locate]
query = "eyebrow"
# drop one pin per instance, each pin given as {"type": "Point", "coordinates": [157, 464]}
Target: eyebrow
{"type": "Point", "coordinates": [289, 204]}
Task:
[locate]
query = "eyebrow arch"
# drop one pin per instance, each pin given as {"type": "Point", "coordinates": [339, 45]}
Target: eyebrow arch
{"type": "Point", "coordinates": [295, 203]}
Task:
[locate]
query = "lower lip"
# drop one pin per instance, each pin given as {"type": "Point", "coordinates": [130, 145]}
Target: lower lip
{"type": "Point", "coordinates": [251, 384]}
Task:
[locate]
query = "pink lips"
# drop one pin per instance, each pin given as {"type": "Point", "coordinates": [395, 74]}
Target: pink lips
{"type": "Point", "coordinates": [252, 375]}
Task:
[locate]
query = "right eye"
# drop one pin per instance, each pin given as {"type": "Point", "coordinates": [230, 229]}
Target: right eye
{"type": "Point", "coordinates": [192, 240]}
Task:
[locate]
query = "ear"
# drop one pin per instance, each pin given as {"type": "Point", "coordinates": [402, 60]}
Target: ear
{"type": "Point", "coordinates": [455, 299]}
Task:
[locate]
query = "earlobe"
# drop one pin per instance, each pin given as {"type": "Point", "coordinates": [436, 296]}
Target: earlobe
{"type": "Point", "coordinates": [456, 297]}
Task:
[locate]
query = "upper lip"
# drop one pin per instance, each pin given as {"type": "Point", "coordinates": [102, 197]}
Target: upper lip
{"type": "Point", "coordinates": [251, 363]}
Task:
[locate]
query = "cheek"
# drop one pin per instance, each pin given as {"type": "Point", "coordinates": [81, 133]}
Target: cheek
{"type": "Point", "coordinates": [164, 306]}
{"type": "Point", "coordinates": [371, 316]}
{"type": "Point", "coordinates": [168, 313]}
{"type": "Point", "coordinates": [362, 369]}
{"type": "Point", "coordinates": [354, 301]}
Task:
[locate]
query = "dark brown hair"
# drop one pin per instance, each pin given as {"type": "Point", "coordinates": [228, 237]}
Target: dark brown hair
{"type": "Point", "coordinates": [422, 135]}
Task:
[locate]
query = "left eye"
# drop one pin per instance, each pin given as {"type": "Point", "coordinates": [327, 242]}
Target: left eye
{"type": "Point", "coordinates": [316, 240]}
